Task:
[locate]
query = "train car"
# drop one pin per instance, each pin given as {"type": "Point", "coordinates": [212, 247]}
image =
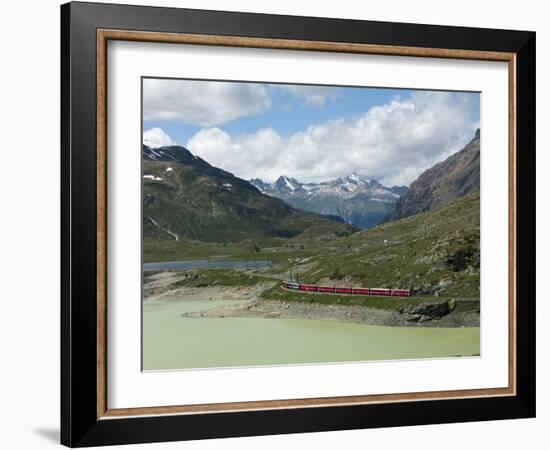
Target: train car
{"type": "Point", "coordinates": [360, 291]}
{"type": "Point", "coordinates": [342, 290]}
{"type": "Point", "coordinates": [308, 287]}
{"type": "Point", "coordinates": [400, 293]}
{"type": "Point", "coordinates": [325, 289]}
{"type": "Point", "coordinates": [380, 291]}
{"type": "Point", "coordinates": [347, 290]}
{"type": "Point", "coordinates": [291, 285]}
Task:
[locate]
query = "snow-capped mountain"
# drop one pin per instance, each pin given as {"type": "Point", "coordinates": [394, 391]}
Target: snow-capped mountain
{"type": "Point", "coordinates": [359, 201]}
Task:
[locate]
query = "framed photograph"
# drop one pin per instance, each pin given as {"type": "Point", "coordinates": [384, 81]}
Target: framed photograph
{"type": "Point", "coordinates": [276, 224]}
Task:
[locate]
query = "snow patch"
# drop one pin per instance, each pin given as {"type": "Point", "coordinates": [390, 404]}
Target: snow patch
{"type": "Point", "coordinates": [350, 187]}
{"type": "Point", "coordinates": [152, 177]}
{"type": "Point", "coordinates": [289, 184]}
{"type": "Point", "coordinates": [169, 169]}
{"type": "Point", "coordinates": [154, 155]}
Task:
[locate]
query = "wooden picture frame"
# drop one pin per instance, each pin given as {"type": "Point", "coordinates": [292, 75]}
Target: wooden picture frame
{"type": "Point", "coordinates": [86, 418]}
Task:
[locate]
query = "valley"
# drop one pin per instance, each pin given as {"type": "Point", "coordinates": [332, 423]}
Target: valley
{"type": "Point", "coordinates": [216, 249]}
{"type": "Point", "coordinates": [435, 254]}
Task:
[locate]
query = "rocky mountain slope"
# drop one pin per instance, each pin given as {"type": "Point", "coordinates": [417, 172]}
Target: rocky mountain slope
{"type": "Point", "coordinates": [184, 197]}
{"type": "Point", "coordinates": [358, 201]}
{"type": "Point", "coordinates": [454, 178]}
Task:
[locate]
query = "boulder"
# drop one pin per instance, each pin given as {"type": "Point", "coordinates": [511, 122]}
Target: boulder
{"type": "Point", "coordinates": [426, 311]}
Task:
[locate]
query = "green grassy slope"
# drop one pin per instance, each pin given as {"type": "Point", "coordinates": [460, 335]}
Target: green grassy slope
{"type": "Point", "coordinates": [200, 202]}
{"type": "Point", "coordinates": [434, 253]}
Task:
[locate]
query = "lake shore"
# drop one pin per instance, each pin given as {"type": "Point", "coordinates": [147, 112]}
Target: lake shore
{"type": "Point", "coordinates": [163, 287]}
{"type": "Point", "coordinates": [273, 309]}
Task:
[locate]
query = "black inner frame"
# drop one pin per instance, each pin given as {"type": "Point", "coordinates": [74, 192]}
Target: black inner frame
{"type": "Point", "coordinates": [79, 423]}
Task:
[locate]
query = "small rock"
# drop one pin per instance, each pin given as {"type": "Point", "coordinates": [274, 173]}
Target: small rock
{"type": "Point", "coordinates": [413, 317]}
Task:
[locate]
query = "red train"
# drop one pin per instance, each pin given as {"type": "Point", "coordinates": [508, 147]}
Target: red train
{"type": "Point", "coordinates": [346, 290]}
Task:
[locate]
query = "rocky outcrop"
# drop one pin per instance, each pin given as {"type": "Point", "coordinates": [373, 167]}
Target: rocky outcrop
{"type": "Point", "coordinates": [427, 311]}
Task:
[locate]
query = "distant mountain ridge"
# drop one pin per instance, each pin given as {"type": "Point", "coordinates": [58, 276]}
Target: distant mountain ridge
{"type": "Point", "coordinates": [456, 177]}
{"type": "Point", "coordinates": [361, 202]}
{"type": "Point", "coordinates": [184, 197]}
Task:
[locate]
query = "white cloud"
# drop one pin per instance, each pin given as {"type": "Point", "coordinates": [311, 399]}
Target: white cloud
{"type": "Point", "coordinates": [243, 155]}
{"type": "Point", "coordinates": [202, 103]}
{"type": "Point", "coordinates": [156, 137]}
{"type": "Point", "coordinates": [393, 143]}
{"type": "Point", "coordinates": [311, 95]}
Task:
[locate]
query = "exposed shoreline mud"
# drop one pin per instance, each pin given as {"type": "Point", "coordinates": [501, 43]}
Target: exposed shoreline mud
{"type": "Point", "coordinates": [272, 309]}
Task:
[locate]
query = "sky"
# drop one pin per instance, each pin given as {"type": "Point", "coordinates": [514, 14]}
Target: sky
{"type": "Point", "coordinates": [308, 132]}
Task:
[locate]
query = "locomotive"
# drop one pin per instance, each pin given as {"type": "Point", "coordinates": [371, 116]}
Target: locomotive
{"type": "Point", "coordinates": [346, 290]}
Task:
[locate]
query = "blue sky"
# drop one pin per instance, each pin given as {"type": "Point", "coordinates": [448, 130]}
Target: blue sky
{"type": "Point", "coordinates": [310, 132]}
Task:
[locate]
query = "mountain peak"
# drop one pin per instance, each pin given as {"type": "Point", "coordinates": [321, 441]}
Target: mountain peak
{"type": "Point", "coordinates": [356, 179]}
{"type": "Point", "coordinates": [167, 153]}
{"type": "Point", "coordinates": [286, 183]}
{"type": "Point", "coordinates": [352, 182]}
{"type": "Point", "coordinates": [478, 134]}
